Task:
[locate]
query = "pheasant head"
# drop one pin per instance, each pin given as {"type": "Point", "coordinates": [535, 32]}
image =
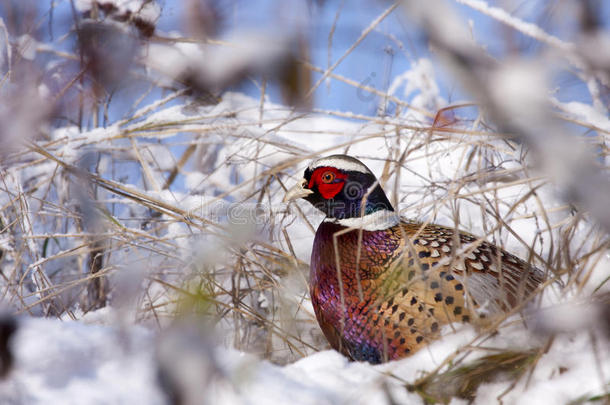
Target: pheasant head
{"type": "Point", "coordinates": [342, 187]}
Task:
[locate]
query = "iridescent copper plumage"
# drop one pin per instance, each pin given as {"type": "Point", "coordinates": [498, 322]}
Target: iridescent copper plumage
{"type": "Point", "coordinates": [381, 286]}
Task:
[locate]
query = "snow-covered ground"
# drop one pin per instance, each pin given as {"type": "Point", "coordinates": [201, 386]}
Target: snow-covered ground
{"type": "Point", "coordinates": [68, 362]}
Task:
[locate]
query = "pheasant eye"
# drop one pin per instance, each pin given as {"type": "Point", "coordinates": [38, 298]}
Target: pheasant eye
{"type": "Point", "coordinates": [328, 177]}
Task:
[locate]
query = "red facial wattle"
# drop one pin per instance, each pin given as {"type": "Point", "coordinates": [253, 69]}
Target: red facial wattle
{"type": "Point", "coordinates": [329, 181]}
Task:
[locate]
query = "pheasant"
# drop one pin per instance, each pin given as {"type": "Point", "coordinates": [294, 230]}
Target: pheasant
{"type": "Point", "coordinates": [382, 286]}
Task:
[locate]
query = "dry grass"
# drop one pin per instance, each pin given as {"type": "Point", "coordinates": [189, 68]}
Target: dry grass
{"type": "Point", "coordinates": [95, 216]}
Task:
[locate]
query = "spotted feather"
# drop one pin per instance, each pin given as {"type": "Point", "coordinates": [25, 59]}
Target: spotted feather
{"type": "Point", "coordinates": [407, 282]}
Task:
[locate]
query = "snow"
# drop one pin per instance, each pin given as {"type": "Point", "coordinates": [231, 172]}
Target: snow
{"type": "Point", "coordinates": [585, 113]}
{"type": "Point", "coordinates": [213, 66]}
{"type": "Point", "coordinates": [91, 361]}
{"type": "Point", "coordinates": [26, 46]}
{"type": "Point", "coordinates": [521, 85]}
{"type": "Point", "coordinates": [526, 28]}
{"type": "Point", "coordinates": [420, 86]}
{"type": "Point", "coordinates": [75, 142]}
{"type": "Point", "coordinates": [147, 10]}
{"type": "Point", "coordinates": [571, 370]}
{"type": "Point", "coordinates": [73, 363]}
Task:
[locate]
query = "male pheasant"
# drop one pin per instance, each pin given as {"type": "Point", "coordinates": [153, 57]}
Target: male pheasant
{"type": "Point", "coordinates": [382, 286]}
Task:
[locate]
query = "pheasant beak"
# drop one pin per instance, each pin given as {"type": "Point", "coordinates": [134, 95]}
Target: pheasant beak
{"type": "Point", "coordinates": [297, 191]}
